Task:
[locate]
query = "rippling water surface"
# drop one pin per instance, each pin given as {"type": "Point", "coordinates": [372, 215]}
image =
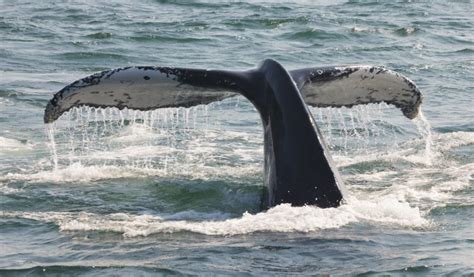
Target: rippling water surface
{"type": "Point", "coordinates": [178, 191]}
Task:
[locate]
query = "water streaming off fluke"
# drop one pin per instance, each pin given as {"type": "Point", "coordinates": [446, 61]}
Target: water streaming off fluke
{"type": "Point", "coordinates": [207, 139]}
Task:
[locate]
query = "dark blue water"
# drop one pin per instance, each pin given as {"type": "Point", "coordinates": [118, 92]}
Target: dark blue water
{"type": "Point", "coordinates": [178, 191]}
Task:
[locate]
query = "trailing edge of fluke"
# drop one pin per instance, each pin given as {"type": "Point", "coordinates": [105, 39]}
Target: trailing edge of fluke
{"type": "Point", "coordinates": [298, 166]}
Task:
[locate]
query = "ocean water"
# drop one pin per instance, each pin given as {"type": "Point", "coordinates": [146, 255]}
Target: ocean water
{"type": "Point", "coordinates": [178, 191]}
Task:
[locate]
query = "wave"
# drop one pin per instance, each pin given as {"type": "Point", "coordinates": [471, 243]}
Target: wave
{"type": "Point", "coordinates": [8, 145]}
{"type": "Point", "coordinates": [89, 268]}
{"type": "Point", "coordinates": [312, 34]}
{"type": "Point", "coordinates": [78, 172]}
{"type": "Point", "coordinates": [168, 39]}
{"type": "Point", "coordinates": [92, 56]}
{"type": "Point", "coordinates": [282, 218]}
{"type": "Point", "coordinates": [7, 190]}
{"type": "Point", "coordinates": [100, 35]}
{"type": "Point", "coordinates": [406, 31]}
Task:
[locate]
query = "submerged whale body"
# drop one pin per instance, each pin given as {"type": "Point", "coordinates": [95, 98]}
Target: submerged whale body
{"type": "Point", "coordinates": [298, 166]}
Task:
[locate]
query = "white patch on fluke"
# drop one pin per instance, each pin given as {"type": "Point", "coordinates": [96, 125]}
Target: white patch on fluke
{"type": "Point", "coordinates": [141, 88]}
{"type": "Point", "coordinates": [361, 84]}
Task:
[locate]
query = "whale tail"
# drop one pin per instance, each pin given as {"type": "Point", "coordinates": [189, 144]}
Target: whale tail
{"type": "Point", "coordinates": [298, 166]}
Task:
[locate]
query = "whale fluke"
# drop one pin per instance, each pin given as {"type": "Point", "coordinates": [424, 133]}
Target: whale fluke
{"type": "Point", "coordinates": [347, 86]}
{"type": "Point", "coordinates": [298, 166]}
{"type": "Point", "coordinates": [150, 87]}
{"type": "Point", "coordinates": [144, 88]}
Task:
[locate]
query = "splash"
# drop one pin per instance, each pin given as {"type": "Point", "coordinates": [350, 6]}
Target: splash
{"type": "Point", "coordinates": [94, 144]}
{"type": "Point", "coordinates": [282, 218]}
{"type": "Point", "coordinates": [173, 141]}
{"type": "Point", "coordinates": [168, 142]}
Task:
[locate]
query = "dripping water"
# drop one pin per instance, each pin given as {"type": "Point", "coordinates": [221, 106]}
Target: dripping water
{"type": "Point", "coordinates": [52, 145]}
{"type": "Point", "coordinates": [424, 128]}
{"type": "Point", "coordinates": [174, 140]}
{"type": "Point", "coordinates": [94, 136]}
{"type": "Point", "coordinates": [360, 129]}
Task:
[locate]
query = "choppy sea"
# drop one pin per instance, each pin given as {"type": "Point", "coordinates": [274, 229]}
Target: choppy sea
{"type": "Point", "coordinates": [178, 191]}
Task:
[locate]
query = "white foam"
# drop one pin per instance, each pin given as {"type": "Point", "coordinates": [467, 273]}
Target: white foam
{"type": "Point", "coordinates": [445, 142]}
{"type": "Point", "coordinates": [414, 151]}
{"type": "Point", "coordinates": [78, 172]}
{"type": "Point", "coordinates": [11, 145]}
{"type": "Point", "coordinates": [136, 132]}
{"type": "Point", "coordinates": [127, 153]}
{"type": "Point", "coordinates": [282, 218]}
{"type": "Point", "coordinates": [357, 29]}
{"type": "Point", "coordinates": [436, 193]}
{"type": "Point", "coordinates": [405, 195]}
{"type": "Point", "coordinates": [5, 189]}
{"type": "Point", "coordinates": [425, 188]}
